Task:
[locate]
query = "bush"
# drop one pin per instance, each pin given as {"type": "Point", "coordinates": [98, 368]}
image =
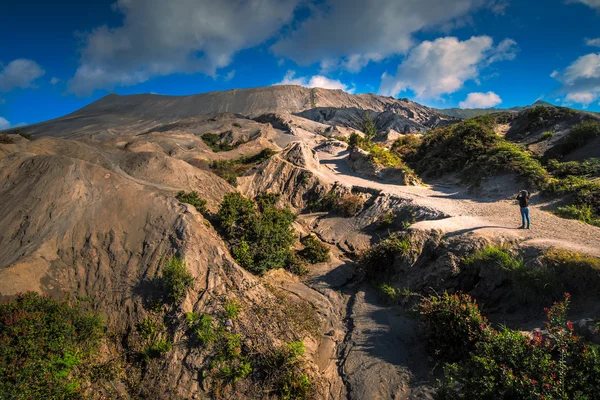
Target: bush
{"type": "Point", "coordinates": [314, 251]}
{"type": "Point", "coordinates": [194, 199]}
{"type": "Point", "coordinates": [232, 309]}
{"type": "Point", "coordinates": [579, 136]}
{"type": "Point", "coordinates": [406, 146]}
{"type": "Point", "coordinates": [231, 169]}
{"type": "Point", "coordinates": [5, 139]}
{"type": "Point", "coordinates": [546, 136]}
{"type": "Point", "coordinates": [585, 198]}
{"type": "Point", "coordinates": [577, 273]}
{"type": "Point", "coordinates": [260, 234]}
{"type": "Point", "coordinates": [378, 261]}
{"type": "Point", "coordinates": [347, 204]}
{"type": "Point", "coordinates": [201, 327]}
{"type": "Point", "coordinates": [508, 365]}
{"type": "Point", "coordinates": [284, 369]}
{"type": "Point", "coordinates": [215, 142]}
{"type": "Point", "coordinates": [498, 256]}
{"type": "Point", "coordinates": [176, 279]}
{"type": "Point", "coordinates": [583, 213]}
{"type": "Point", "coordinates": [236, 125]}
{"type": "Point", "coordinates": [368, 127]}
{"type": "Point", "coordinates": [589, 167]}
{"type": "Point", "coordinates": [44, 345]}
{"type": "Point", "coordinates": [452, 325]}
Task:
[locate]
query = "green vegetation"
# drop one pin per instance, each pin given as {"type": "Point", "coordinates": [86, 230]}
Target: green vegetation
{"type": "Point", "coordinates": [232, 309]}
{"type": "Point", "coordinates": [505, 364]}
{"type": "Point", "coordinates": [231, 169]}
{"type": "Point", "coordinates": [584, 195]}
{"type": "Point", "coordinates": [473, 149]}
{"type": "Point", "coordinates": [347, 204]}
{"type": "Point", "coordinates": [194, 199]}
{"type": "Point", "coordinates": [452, 325]}
{"type": "Point", "coordinates": [215, 142]}
{"type": "Point", "coordinates": [236, 125]}
{"type": "Point", "coordinates": [539, 117]}
{"type": "Point", "coordinates": [406, 146]}
{"type": "Point", "coordinates": [368, 128]}
{"type": "Point", "coordinates": [378, 261]}
{"type": "Point", "coordinates": [546, 135]}
{"type": "Point", "coordinates": [580, 135]}
{"type": "Point", "coordinates": [284, 370]}
{"type": "Point", "coordinates": [46, 346]}
{"type": "Point", "coordinates": [587, 168]}
{"type": "Point", "coordinates": [584, 213]}
{"type": "Point", "coordinates": [155, 339]}
{"type": "Point", "coordinates": [260, 234]}
{"type": "Point", "coordinates": [5, 139]}
{"type": "Point", "coordinates": [176, 279]}
{"type": "Point", "coordinates": [314, 251]}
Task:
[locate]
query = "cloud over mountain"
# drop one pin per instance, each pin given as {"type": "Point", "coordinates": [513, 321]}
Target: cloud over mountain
{"type": "Point", "coordinates": [315, 81]}
{"type": "Point", "coordinates": [178, 36]}
{"type": "Point", "coordinates": [442, 66]}
{"type": "Point", "coordinates": [481, 100]}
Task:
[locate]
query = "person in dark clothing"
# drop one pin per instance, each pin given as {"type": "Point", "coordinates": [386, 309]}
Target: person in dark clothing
{"type": "Point", "coordinates": [523, 199]}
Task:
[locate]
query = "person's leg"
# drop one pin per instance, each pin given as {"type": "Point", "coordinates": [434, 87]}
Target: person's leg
{"type": "Point", "coordinates": [522, 217]}
{"type": "Point", "coordinates": [527, 217]}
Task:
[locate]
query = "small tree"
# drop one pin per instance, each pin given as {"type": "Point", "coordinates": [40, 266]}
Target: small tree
{"type": "Point", "coordinates": [369, 128]}
{"type": "Point", "coordinates": [177, 279]}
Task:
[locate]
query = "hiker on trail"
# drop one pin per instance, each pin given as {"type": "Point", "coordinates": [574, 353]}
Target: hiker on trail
{"type": "Point", "coordinates": [523, 199]}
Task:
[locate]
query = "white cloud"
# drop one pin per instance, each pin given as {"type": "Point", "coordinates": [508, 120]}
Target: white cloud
{"type": "Point", "coordinates": [590, 3]}
{"type": "Point", "coordinates": [593, 42]}
{"type": "Point", "coordinates": [160, 37]}
{"type": "Point", "coordinates": [20, 73]}
{"type": "Point", "coordinates": [315, 81]}
{"type": "Point", "coordinates": [581, 80]}
{"type": "Point", "coordinates": [229, 76]}
{"type": "Point", "coordinates": [2, 101]}
{"type": "Point", "coordinates": [350, 33]}
{"type": "Point", "coordinates": [54, 81]}
{"type": "Point", "coordinates": [481, 100]}
{"type": "Point", "coordinates": [435, 68]}
{"type": "Point", "coordinates": [4, 124]}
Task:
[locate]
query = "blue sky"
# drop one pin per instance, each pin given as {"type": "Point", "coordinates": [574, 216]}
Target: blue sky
{"type": "Point", "coordinates": [60, 56]}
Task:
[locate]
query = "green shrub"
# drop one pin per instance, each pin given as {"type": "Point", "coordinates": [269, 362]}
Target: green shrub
{"type": "Point", "coordinates": [452, 325]}
{"type": "Point", "coordinates": [5, 139]}
{"type": "Point", "coordinates": [296, 265]}
{"type": "Point", "coordinates": [406, 146]}
{"type": "Point", "coordinates": [585, 198]}
{"type": "Point", "coordinates": [236, 125]}
{"type": "Point", "coordinates": [355, 140]}
{"type": "Point", "coordinates": [378, 261]}
{"type": "Point", "coordinates": [284, 369]}
{"type": "Point", "coordinates": [589, 167]}
{"type": "Point", "coordinates": [368, 128]}
{"type": "Point", "coordinates": [156, 346]}
{"type": "Point", "coordinates": [498, 256]}
{"type": "Point", "coordinates": [231, 169]}
{"type": "Point", "coordinates": [201, 328]}
{"type": "Point", "coordinates": [576, 272]}
{"type": "Point", "coordinates": [147, 327]}
{"type": "Point", "coordinates": [44, 345]}
{"type": "Point", "coordinates": [473, 149]}
{"type": "Point", "coordinates": [194, 199]}
{"type": "Point", "coordinates": [579, 136]}
{"type": "Point", "coordinates": [509, 365]}
{"type": "Point", "coordinates": [314, 251]}
{"type": "Point", "coordinates": [176, 279]}
{"type": "Point", "coordinates": [260, 234]}
{"type": "Point", "coordinates": [347, 204]}
{"type": "Point", "coordinates": [389, 294]}
{"type": "Point", "coordinates": [546, 135]}
{"type": "Point", "coordinates": [232, 309]}
{"type": "Point", "coordinates": [215, 142]}
{"type": "Point", "coordinates": [583, 213]}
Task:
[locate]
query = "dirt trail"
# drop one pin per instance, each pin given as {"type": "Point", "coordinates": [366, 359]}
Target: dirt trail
{"type": "Point", "coordinates": [490, 217]}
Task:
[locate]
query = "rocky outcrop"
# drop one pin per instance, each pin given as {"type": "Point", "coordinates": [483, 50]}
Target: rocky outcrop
{"type": "Point", "coordinates": [289, 173]}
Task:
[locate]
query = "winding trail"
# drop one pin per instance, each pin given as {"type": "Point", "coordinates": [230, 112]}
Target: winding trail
{"type": "Point", "coordinates": [485, 216]}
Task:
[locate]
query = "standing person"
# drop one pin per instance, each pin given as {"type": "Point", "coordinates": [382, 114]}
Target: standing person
{"type": "Point", "coordinates": [523, 199]}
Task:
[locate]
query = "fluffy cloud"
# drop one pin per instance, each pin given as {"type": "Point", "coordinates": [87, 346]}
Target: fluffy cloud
{"type": "Point", "coordinates": [4, 124]}
{"type": "Point", "coordinates": [481, 100]}
{"type": "Point", "coordinates": [54, 81]}
{"type": "Point", "coordinates": [581, 80]}
{"type": "Point", "coordinates": [591, 3]}
{"type": "Point", "coordinates": [20, 73]}
{"type": "Point", "coordinates": [593, 42]}
{"type": "Point", "coordinates": [160, 37]}
{"type": "Point", "coordinates": [351, 33]}
{"type": "Point", "coordinates": [435, 68]}
{"type": "Point", "coordinates": [315, 81]}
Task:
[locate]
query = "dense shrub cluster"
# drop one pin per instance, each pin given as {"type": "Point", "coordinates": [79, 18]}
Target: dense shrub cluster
{"type": "Point", "coordinates": [259, 232]}
{"type": "Point", "coordinates": [378, 261]}
{"type": "Point", "coordinates": [347, 204]}
{"type": "Point", "coordinates": [216, 142]}
{"type": "Point", "coordinates": [5, 139]}
{"type": "Point", "coordinates": [506, 364]}
{"type": "Point", "coordinates": [194, 199]}
{"type": "Point", "coordinates": [314, 250]}
{"type": "Point", "coordinates": [585, 198]}
{"type": "Point", "coordinates": [579, 136]}
{"type": "Point", "coordinates": [589, 167]}
{"type": "Point", "coordinates": [45, 345]}
{"type": "Point", "coordinates": [154, 338]}
{"type": "Point", "coordinates": [231, 169]}
{"type": "Point", "coordinates": [473, 149]}
{"type": "Point", "coordinates": [176, 279]}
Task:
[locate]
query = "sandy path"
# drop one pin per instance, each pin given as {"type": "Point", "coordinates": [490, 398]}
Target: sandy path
{"type": "Point", "coordinates": [482, 216]}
